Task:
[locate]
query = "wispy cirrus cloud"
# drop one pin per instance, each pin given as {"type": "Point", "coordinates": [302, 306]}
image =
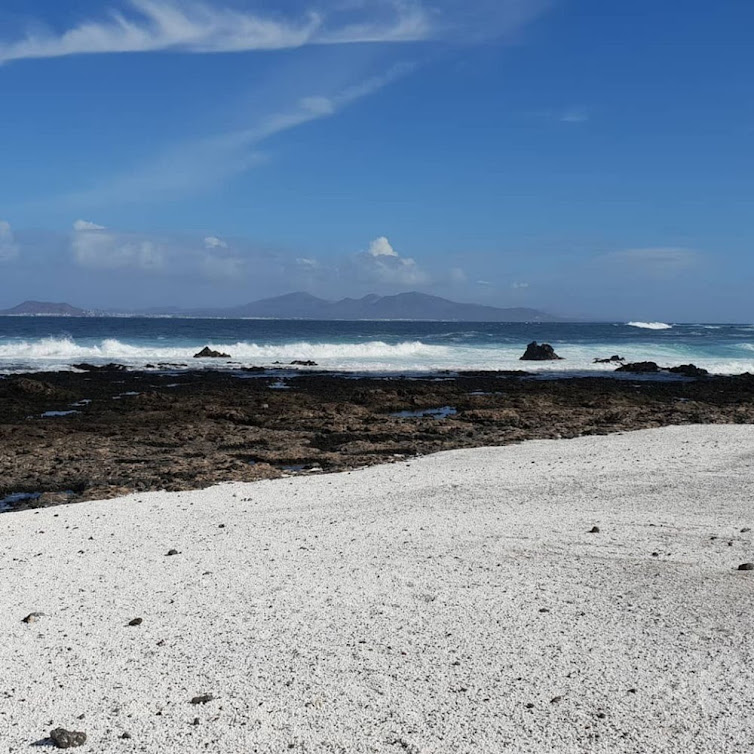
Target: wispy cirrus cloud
{"type": "Point", "coordinates": [200, 164]}
{"type": "Point", "coordinates": [661, 261]}
{"type": "Point", "coordinates": [200, 27]}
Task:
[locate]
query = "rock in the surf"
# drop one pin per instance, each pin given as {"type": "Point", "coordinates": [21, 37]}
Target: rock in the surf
{"type": "Point", "coordinates": [208, 353]}
{"type": "Point", "coordinates": [689, 370]}
{"type": "Point", "coordinates": [639, 367]}
{"type": "Point", "coordinates": [539, 352]}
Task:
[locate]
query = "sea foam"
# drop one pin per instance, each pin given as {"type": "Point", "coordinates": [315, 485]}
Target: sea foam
{"type": "Point", "coordinates": [650, 325]}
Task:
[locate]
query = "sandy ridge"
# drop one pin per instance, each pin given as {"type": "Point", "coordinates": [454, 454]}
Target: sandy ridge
{"type": "Point", "coordinates": [455, 603]}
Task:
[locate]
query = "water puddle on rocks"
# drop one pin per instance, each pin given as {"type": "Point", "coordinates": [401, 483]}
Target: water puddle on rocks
{"type": "Point", "coordinates": [6, 503]}
{"type": "Point", "coordinates": [299, 467]}
{"type": "Point", "coordinates": [443, 412]}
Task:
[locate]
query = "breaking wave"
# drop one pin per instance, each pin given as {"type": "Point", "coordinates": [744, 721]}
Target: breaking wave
{"type": "Point", "coordinates": [650, 325]}
{"type": "Point", "coordinates": [410, 355]}
{"type": "Point", "coordinates": [112, 349]}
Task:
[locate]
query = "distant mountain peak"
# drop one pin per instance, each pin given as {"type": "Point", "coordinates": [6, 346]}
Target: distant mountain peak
{"type": "Point", "coordinates": [410, 305]}
{"type": "Point", "coordinates": [44, 309]}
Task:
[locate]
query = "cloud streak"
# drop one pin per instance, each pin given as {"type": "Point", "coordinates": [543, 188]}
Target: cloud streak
{"type": "Point", "coordinates": [197, 27]}
{"type": "Point", "coordinates": [8, 245]}
{"type": "Point", "coordinates": [204, 163]}
{"type": "Point", "coordinates": [660, 262]}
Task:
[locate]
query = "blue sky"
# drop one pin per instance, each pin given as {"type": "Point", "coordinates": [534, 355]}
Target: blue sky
{"type": "Point", "coordinates": [585, 157]}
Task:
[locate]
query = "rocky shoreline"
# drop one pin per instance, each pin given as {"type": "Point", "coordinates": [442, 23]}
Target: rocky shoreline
{"type": "Point", "coordinates": [67, 436]}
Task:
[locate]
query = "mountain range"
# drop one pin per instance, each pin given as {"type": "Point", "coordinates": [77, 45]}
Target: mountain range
{"type": "Point", "coordinates": [402, 306]}
{"type": "Point", "coordinates": [44, 309]}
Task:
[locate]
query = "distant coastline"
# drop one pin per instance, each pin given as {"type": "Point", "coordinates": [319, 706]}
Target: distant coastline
{"type": "Point", "coordinates": [409, 307]}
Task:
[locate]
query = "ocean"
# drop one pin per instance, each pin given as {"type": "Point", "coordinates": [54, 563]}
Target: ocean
{"type": "Point", "coordinates": [389, 347]}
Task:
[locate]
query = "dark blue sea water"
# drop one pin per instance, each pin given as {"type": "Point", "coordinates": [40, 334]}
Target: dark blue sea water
{"type": "Point", "coordinates": [35, 343]}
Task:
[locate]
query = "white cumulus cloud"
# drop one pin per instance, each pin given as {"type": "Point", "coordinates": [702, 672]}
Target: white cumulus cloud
{"type": "Point", "coordinates": [95, 247]}
{"type": "Point", "coordinates": [213, 242]}
{"type": "Point", "coordinates": [381, 247]}
{"type": "Point", "coordinates": [8, 247]}
{"type": "Point", "coordinates": [381, 263]}
{"type": "Point", "coordinates": [86, 225]}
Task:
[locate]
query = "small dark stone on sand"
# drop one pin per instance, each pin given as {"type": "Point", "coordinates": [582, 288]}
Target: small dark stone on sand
{"type": "Point", "coordinates": [196, 721]}
{"type": "Point", "coordinates": [67, 739]}
{"type": "Point", "coordinates": [632, 691]}
{"type": "Point", "coordinates": [544, 609]}
{"type": "Point", "coordinates": [529, 705]}
{"type": "Point", "coordinates": [594, 530]}
{"type": "Point", "coordinates": [556, 699]}
{"type": "Point", "coordinates": [32, 618]}
{"type": "Point", "coordinates": [202, 699]}
{"type": "Point", "coordinates": [136, 622]}
{"type": "Point", "coordinates": [172, 552]}
{"type": "Point", "coordinates": [125, 735]}
{"type": "Point", "coordinates": [745, 529]}
{"type": "Point", "coordinates": [655, 554]}
{"type": "Point", "coordinates": [221, 526]}
{"type": "Point", "coordinates": [746, 567]}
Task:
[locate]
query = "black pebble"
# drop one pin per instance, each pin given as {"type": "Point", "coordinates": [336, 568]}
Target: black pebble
{"type": "Point", "coordinates": [746, 567]}
{"type": "Point", "coordinates": [202, 699]}
{"type": "Point", "coordinates": [67, 739]}
{"type": "Point", "coordinates": [136, 622]}
{"type": "Point", "coordinates": [594, 530]}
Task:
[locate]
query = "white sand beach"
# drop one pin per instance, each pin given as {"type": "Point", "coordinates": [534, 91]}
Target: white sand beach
{"type": "Point", "coordinates": [455, 603]}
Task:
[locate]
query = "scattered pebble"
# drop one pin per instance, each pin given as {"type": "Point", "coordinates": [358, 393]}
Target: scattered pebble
{"type": "Point", "coordinates": [556, 699]}
{"type": "Point", "coordinates": [136, 622]}
{"type": "Point", "coordinates": [125, 735]}
{"type": "Point", "coordinates": [746, 567]}
{"type": "Point", "coordinates": [745, 529]}
{"type": "Point", "coordinates": [67, 739]}
{"type": "Point", "coordinates": [32, 618]}
{"type": "Point", "coordinates": [172, 552]}
{"type": "Point", "coordinates": [594, 530]}
{"type": "Point", "coordinates": [202, 699]}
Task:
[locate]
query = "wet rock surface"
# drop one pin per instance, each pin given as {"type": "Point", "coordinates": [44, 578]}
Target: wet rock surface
{"type": "Point", "coordinates": [194, 429]}
{"type": "Point", "coordinates": [640, 367]}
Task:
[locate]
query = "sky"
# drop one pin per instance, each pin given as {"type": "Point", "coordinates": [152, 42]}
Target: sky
{"type": "Point", "coordinates": [590, 158]}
